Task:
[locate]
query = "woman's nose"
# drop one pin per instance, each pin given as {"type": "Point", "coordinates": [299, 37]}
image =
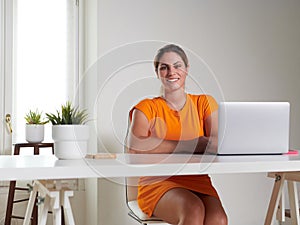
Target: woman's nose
{"type": "Point", "coordinates": [171, 70]}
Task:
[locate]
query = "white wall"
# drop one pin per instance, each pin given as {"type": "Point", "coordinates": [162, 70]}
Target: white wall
{"type": "Point", "coordinates": [88, 52]}
{"type": "Point", "coordinates": [251, 46]}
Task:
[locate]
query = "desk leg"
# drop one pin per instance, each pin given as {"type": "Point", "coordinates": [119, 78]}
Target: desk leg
{"type": "Point", "coordinates": [52, 198]}
{"type": "Point", "coordinates": [280, 216]}
{"type": "Point", "coordinates": [293, 199]}
{"type": "Point", "coordinates": [56, 209]}
{"type": "Point", "coordinates": [67, 207]}
{"type": "Point", "coordinates": [44, 213]}
{"type": "Point", "coordinates": [30, 205]}
{"type": "Point", "coordinates": [276, 194]}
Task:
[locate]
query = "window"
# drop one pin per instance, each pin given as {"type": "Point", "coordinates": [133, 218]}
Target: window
{"type": "Point", "coordinates": [45, 50]}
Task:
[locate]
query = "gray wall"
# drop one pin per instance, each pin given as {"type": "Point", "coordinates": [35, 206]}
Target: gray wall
{"type": "Point", "coordinates": [252, 53]}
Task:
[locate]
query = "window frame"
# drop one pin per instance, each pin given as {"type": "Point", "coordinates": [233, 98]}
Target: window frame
{"type": "Point", "coordinates": [7, 8]}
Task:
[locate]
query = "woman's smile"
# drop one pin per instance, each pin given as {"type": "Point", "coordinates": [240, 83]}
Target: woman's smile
{"type": "Point", "coordinates": [172, 79]}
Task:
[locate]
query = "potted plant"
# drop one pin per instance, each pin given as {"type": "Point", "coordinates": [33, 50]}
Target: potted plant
{"type": "Point", "coordinates": [69, 132]}
{"type": "Point", "coordinates": [34, 129]}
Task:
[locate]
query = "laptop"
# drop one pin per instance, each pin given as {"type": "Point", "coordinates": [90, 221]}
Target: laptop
{"type": "Point", "coordinates": [253, 128]}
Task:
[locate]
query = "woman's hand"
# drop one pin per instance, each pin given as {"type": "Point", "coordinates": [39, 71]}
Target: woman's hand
{"type": "Point", "coordinates": [194, 146]}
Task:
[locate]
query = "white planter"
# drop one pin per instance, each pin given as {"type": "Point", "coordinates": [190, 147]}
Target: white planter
{"type": "Point", "coordinates": [70, 141]}
{"type": "Point", "coordinates": [34, 133]}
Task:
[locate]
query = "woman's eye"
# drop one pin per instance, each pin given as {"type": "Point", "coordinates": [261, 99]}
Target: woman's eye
{"type": "Point", "coordinates": [161, 68]}
{"type": "Point", "coordinates": [177, 66]}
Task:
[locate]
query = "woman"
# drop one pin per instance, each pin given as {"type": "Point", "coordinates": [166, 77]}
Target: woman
{"type": "Point", "coordinates": [176, 122]}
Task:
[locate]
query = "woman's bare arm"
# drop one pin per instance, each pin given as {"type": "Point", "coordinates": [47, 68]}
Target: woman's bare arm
{"type": "Point", "coordinates": [140, 142]}
{"type": "Point", "coordinates": [211, 132]}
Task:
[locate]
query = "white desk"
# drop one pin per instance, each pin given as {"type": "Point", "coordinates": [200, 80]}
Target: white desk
{"type": "Point", "coordinates": [126, 165]}
{"type": "Point", "coordinates": [41, 167]}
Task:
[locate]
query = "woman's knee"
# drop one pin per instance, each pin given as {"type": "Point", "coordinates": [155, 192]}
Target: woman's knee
{"type": "Point", "coordinates": [193, 211]}
{"type": "Point", "coordinates": [218, 218]}
{"type": "Point", "coordinates": [180, 206]}
{"type": "Point", "coordinates": [214, 211]}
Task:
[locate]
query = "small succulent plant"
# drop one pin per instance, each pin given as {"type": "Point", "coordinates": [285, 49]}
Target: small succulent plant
{"type": "Point", "coordinates": [35, 117]}
{"type": "Point", "coordinates": [68, 114]}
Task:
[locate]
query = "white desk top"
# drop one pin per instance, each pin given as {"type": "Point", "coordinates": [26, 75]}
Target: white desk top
{"type": "Point", "coordinates": [49, 167]}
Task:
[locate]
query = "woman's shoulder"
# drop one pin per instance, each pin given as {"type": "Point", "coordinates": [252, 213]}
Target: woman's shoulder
{"type": "Point", "coordinates": [204, 101]}
{"type": "Point", "coordinates": [150, 101]}
{"type": "Point", "coordinates": [148, 106]}
{"type": "Point", "coordinates": [201, 98]}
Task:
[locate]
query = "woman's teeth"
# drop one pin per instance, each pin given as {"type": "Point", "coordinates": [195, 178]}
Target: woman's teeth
{"type": "Point", "coordinates": [173, 80]}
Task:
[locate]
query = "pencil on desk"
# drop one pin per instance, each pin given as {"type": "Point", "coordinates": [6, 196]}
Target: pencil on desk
{"type": "Point", "coordinates": [101, 156]}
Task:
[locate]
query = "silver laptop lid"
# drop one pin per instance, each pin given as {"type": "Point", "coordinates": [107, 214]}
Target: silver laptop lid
{"type": "Point", "coordinates": [253, 127]}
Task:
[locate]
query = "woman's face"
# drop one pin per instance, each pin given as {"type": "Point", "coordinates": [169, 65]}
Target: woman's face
{"type": "Point", "coordinates": [172, 71]}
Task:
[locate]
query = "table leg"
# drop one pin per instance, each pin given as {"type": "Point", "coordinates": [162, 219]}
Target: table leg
{"type": "Point", "coordinates": [54, 199]}
{"type": "Point", "coordinates": [276, 194]}
{"type": "Point", "coordinates": [56, 216]}
{"type": "Point", "coordinates": [280, 215]}
{"type": "Point", "coordinates": [30, 205]}
{"type": "Point", "coordinates": [293, 199]}
{"type": "Point", "coordinates": [44, 213]}
{"type": "Point", "coordinates": [56, 209]}
{"type": "Point", "coordinates": [69, 219]}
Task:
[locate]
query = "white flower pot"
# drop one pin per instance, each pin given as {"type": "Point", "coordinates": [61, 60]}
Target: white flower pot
{"type": "Point", "coordinates": [70, 141]}
{"type": "Point", "coordinates": [34, 133]}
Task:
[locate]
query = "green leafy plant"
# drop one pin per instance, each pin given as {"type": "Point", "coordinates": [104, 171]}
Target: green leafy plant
{"type": "Point", "coordinates": [68, 114]}
{"type": "Point", "coordinates": [34, 117]}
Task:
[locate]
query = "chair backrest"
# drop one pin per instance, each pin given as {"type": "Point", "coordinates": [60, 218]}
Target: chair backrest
{"type": "Point", "coordinates": [131, 188]}
{"type": "Point", "coordinates": [131, 183]}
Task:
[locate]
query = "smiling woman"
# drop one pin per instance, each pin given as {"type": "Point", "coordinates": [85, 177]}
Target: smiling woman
{"type": "Point", "coordinates": [176, 122]}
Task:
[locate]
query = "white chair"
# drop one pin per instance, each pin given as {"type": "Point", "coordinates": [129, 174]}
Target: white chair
{"type": "Point", "coordinates": [134, 210]}
{"type": "Point", "coordinates": [131, 185]}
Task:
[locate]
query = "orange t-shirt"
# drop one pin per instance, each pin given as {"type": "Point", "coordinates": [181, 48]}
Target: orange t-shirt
{"type": "Point", "coordinates": [168, 124]}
